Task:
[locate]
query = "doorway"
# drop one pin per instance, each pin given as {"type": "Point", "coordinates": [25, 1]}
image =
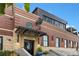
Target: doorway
{"type": "Point", "coordinates": [29, 46]}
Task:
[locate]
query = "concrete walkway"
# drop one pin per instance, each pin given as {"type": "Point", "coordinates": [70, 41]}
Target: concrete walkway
{"type": "Point", "coordinates": [62, 51]}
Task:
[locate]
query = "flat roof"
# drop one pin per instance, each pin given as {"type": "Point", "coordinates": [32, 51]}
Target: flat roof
{"type": "Point", "coordinates": [43, 12]}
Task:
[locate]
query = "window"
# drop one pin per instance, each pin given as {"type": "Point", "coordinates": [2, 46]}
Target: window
{"type": "Point", "coordinates": [71, 43]}
{"type": "Point", "coordinates": [45, 40]}
{"type": "Point", "coordinates": [53, 22]}
{"type": "Point", "coordinates": [44, 18]}
{"type": "Point", "coordinates": [58, 43]}
{"type": "Point", "coordinates": [47, 19]}
{"type": "Point", "coordinates": [76, 44]}
{"type": "Point", "coordinates": [29, 25]}
{"type": "Point", "coordinates": [1, 43]}
{"type": "Point", "coordinates": [65, 43]}
{"type": "Point", "coordinates": [62, 26]}
{"type": "Point", "coordinates": [56, 23]}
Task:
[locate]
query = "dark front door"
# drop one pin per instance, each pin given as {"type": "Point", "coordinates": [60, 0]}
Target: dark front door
{"type": "Point", "coordinates": [29, 46]}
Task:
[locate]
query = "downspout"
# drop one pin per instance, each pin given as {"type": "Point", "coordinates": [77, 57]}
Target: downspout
{"type": "Point", "coordinates": [13, 13]}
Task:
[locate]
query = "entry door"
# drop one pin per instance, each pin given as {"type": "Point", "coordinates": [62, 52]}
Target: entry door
{"type": "Point", "coordinates": [57, 42]}
{"type": "Point", "coordinates": [29, 46]}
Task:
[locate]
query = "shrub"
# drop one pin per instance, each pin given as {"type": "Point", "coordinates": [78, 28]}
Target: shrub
{"type": "Point", "coordinates": [46, 52]}
{"type": "Point", "coordinates": [6, 53]}
{"type": "Point", "coordinates": [39, 49]}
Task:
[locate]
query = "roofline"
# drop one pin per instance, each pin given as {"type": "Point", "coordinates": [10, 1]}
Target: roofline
{"type": "Point", "coordinates": [49, 13]}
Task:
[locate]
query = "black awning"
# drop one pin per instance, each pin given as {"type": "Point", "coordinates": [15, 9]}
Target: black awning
{"type": "Point", "coordinates": [33, 32]}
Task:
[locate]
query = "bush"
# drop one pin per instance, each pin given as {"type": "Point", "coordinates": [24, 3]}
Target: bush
{"type": "Point", "coordinates": [6, 53]}
{"type": "Point", "coordinates": [46, 52]}
{"type": "Point", "coordinates": [39, 49]}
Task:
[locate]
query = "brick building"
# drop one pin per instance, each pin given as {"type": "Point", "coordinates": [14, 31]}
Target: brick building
{"type": "Point", "coordinates": [19, 26]}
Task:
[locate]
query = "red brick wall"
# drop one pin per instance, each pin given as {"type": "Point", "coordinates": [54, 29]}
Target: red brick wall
{"type": "Point", "coordinates": [6, 23]}
{"type": "Point", "coordinates": [55, 32]}
{"type": "Point", "coordinates": [51, 30]}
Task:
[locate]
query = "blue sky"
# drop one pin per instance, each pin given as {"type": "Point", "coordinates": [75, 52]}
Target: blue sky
{"type": "Point", "coordinates": [68, 12]}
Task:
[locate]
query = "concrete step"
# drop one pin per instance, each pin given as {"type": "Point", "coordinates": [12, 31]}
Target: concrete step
{"type": "Point", "coordinates": [22, 52]}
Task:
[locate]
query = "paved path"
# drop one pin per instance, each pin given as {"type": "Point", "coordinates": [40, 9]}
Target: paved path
{"type": "Point", "coordinates": [62, 51]}
{"type": "Point", "coordinates": [52, 54]}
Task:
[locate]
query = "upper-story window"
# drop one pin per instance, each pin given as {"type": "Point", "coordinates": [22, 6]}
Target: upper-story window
{"type": "Point", "coordinates": [54, 22]}
{"type": "Point", "coordinates": [47, 19]}
{"type": "Point", "coordinates": [29, 25]}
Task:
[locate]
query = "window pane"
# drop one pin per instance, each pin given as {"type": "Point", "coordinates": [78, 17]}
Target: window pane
{"type": "Point", "coordinates": [45, 40]}
{"type": "Point", "coordinates": [57, 42]}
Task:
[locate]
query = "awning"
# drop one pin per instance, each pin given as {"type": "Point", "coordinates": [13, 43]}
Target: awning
{"type": "Point", "coordinates": [28, 31]}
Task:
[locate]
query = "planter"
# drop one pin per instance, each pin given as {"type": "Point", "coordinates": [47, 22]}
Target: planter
{"type": "Point", "coordinates": [39, 53]}
{"type": "Point", "coordinates": [46, 53]}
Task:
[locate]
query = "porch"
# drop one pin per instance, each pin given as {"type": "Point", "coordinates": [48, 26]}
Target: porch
{"type": "Point", "coordinates": [27, 38]}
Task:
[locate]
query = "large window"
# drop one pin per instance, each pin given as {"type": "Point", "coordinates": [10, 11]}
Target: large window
{"type": "Point", "coordinates": [65, 43]}
{"type": "Point", "coordinates": [45, 40]}
{"type": "Point", "coordinates": [58, 42]}
{"type": "Point", "coordinates": [71, 44]}
{"type": "Point", "coordinates": [1, 43]}
{"type": "Point", "coordinates": [76, 44]}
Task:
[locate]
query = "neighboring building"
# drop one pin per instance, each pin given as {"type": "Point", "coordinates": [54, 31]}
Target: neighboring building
{"type": "Point", "coordinates": [19, 26]}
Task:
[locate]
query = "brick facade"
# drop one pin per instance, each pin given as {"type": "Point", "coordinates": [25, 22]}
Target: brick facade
{"type": "Point", "coordinates": [21, 19]}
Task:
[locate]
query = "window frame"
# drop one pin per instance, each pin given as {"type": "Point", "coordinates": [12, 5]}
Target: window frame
{"type": "Point", "coordinates": [44, 41]}
{"type": "Point", "coordinates": [1, 43]}
{"type": "Point", "coordinates": [58, 42]}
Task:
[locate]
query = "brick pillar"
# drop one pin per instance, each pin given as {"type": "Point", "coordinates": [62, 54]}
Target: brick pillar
{"type": "Point", "coordinates": [62, 42]}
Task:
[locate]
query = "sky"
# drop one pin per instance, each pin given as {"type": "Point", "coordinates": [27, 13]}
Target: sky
{"type": "Point", "coordinates": [66, 11]}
